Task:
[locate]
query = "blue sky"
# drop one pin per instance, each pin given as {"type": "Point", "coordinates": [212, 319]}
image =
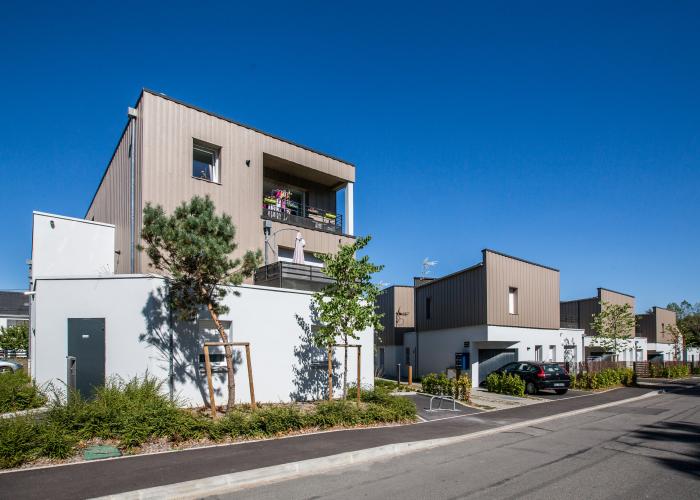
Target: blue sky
{"type": "Point", "coordinates": [567, 134]}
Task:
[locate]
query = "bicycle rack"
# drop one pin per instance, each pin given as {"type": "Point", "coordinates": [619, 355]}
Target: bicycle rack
{"type": "Point", "coordinates": [442, 398]}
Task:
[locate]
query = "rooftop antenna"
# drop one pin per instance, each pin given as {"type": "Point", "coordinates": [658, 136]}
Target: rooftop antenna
{"type": "Point", "coordinates": [427, 266]}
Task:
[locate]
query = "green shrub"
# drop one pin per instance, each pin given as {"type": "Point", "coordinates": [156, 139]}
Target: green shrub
{"type": "Point", "coordinates": [505, 383]}
{"type": "Point", "coordinates": [659, 370]}
{"type": "Point", "coordinates": [136, 411]}
{"type": "Point", "coordinates": [604, 379]}
{"type": "Point", "coordinates": [439, 384]}
{"type": "Point", "coordinates": [18, 392]}
{"type": "Point", "coordinates": [696, 370]}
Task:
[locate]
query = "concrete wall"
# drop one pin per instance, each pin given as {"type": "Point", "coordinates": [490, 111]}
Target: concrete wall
{"type": "Point", "coordinates": [437, 349]}
{"type": "Point", "coordinates": [66, 246]}
{"type": "Point", "coordinates": [275, 321]}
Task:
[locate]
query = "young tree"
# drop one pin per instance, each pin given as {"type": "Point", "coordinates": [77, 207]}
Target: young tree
{"type": "Point", "coordinates": [677, 337]}
{"type": "Point", "coordinates": [14, 338]}
{"type": "Point", "coordinates": [348, 305]}
{"type": "Point", "coordinates": [193, 247]}
{"type": "Point", "coordinates": [688, 321]}
{"type": "Point", "coordinates": [614, 327]}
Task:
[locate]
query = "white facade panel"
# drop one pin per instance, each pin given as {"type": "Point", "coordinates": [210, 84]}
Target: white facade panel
{"type": "Point", "coordinates": [64, 246]}
{"type": "Point", "coordinates": [285, 364]}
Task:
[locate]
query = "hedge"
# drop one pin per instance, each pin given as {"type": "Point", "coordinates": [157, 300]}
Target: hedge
{"type": "Point", "coordinates": [657, 370]}
{"type": "Point", "coordinates": [609, 377]}
{"type": "Point", "coordinates": [505, 383]}
{"type": "Point", "coordinates": [439, 384]}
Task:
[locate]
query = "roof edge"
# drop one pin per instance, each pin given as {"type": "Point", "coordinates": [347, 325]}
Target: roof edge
{"type": "Point", "coordinates": [249, 127]}
{"type": "Point", "coordinates": [521, 260]}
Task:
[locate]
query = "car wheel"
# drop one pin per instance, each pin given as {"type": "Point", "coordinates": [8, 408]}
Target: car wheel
{"type": "Point", "coordinates": [5, 369]}
{"type": "Point", "coordinates": [561, 391]}
{"type": "Point", "coordinates": [531, 388]}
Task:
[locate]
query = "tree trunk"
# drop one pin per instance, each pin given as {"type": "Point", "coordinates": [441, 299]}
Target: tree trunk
{"type": "Point", "coordinates": [345, 368]}
{"type": "Point", "coordinates": [229, 358]}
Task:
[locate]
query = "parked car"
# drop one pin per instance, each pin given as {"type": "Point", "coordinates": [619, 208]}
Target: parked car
{"type": "Point", "coordinates": [539, 375]}
{"type": "Point", "coordinates": [9, 366]}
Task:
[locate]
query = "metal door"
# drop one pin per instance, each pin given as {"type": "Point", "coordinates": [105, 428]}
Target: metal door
{"type": "Point", "coordinates": [492, 359]}
{"type": "Point", "coordinates": [86, 342]}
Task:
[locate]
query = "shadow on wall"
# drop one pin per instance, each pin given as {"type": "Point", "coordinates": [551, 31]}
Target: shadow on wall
{"type": "Point", "coordinates": [187, 345]}
{"type": "Point", "coordinates": [310, 371]}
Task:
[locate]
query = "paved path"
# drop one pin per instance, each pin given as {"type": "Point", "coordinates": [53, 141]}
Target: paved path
{"type": "Point", "coordinates": [92, 479]}
{"type": "Point", "coordinates": [643, 449]}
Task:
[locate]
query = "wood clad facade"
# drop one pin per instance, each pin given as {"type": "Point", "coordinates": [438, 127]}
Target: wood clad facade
{"type": "Point", "coordinates": [653, 325]}
{"type": "Point", "coordinates": [166, 131]}
{"type": "Point", "coordinates": [395, 303]}
{"type": "Point", "coordinates": [537, 292]}
{"type": "Point", "coordinates": [479, 296]}
{"type": "Point", "coordinates": [579, 313]}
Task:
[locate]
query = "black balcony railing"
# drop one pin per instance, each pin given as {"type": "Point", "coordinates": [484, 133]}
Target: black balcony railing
{"type": "Point", "coordinates": [307, 217]}
{"type": "Point", "coordinates": [290, 275]}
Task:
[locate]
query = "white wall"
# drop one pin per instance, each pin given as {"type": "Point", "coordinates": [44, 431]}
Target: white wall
{"type": "Point", "coordinates": [437, 349]}
{"type": "Point", "coordinates": [72, 247]}
{"type": "Point", "coordinates": [137, 338]}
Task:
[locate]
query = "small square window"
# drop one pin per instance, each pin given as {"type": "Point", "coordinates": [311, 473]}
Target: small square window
{"type": "Point", "coordinates": [512, 300]}
{"type": "Point", "coordinates": [205, 162]}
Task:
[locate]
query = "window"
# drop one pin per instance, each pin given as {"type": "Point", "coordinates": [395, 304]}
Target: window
{"type": "Point", "coordinates": [205, 162]}
{"type": "Point", "coordinates": [538, 353]}
{"type": "Point", "coordinates": [428, 301]}
{"type": "Point", "coordinates": [381, 357]}
{"type": "Point", "coordinates": [408, 356]}
{"type": "Point", "coordinates": [17, 322]}
{"type": "Point", "coordinates": [552, 353]}
{"type": "Point", "coordinates": [512, 300]}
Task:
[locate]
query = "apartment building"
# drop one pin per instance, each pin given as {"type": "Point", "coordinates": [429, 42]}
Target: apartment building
{"type": "Point", "coordinates": [654, 326]}
{"type": "Point", "coordinates": [272, 188]}
{"type": "Point", "coordinates": [499, 310]}
{"type": "Point", "coordinates": [579, 313]}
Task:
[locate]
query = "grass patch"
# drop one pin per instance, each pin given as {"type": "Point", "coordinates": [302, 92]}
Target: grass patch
{"type": "Point", "coordinates": [135, 412]}
{"type": "Point", "coordinates": [18, 392]}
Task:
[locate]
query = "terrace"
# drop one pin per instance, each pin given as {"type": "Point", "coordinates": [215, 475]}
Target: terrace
{"type": "Point", "coordinates": [302, 197]}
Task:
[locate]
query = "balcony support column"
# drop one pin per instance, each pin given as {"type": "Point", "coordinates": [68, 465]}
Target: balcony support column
{"type": "Point", "coordinates": [349, 209]}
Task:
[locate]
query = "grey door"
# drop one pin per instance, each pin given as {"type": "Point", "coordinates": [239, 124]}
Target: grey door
{"type": "Point", "coordinates": [86, 342]}
{"type": "Point", "coordinates": [492, 359]}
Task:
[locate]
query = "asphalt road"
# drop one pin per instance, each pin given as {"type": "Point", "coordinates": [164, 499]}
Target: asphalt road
{"type": "Point", "coordinates": [645, 449]}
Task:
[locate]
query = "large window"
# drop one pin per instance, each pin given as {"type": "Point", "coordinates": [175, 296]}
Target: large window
{"type": "Point", "coordinates": [205, 162]}
{"type": "Point", "coordinates": [512, 300]}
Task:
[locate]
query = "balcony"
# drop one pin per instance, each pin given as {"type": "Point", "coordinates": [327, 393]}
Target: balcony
{"type": "Point", "coordinates": [300, 215]}
{"type": "Point", "coordinates": [294, 276]}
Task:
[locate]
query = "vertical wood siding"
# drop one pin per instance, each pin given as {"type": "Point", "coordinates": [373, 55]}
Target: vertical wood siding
{"type": "Point", "coordinates": [167, 179]}
{"type": "Point", "coordinates": [538, 292]}
{"type": "Point", "coordinates": [612, 297]}
{"type": "Point", "coordinates": [456, 300]}
{"type": "Point", "coordinates": [113, 197]}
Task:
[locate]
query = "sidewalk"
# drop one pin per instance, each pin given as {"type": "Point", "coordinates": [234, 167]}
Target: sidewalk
{"type": "Point", "coordinates": [92, 479]}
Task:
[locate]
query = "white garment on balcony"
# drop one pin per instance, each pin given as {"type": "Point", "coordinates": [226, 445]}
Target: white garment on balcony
{"type": "Point", "coordinates": [299, 245]}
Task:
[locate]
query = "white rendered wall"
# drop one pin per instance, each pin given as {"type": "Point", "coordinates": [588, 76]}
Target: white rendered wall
{"type": "Point", "coordinates": [137, 338]}
{"type": "Point", "coordinates": [71, 247]}
{"type": "Point", "coordinates": [437, 349]}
